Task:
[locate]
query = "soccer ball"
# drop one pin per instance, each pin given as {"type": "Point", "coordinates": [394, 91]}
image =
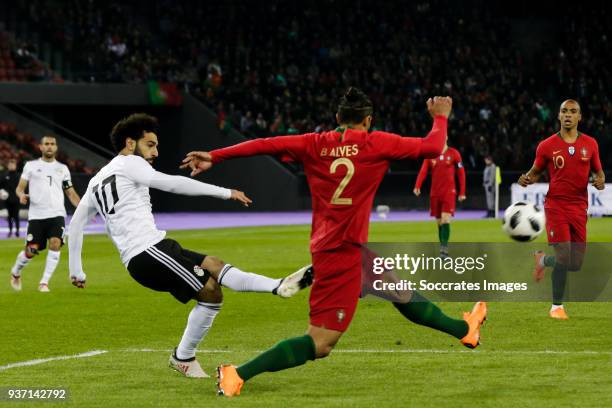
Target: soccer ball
{"type": "Point", "coordinates": [523, 221]}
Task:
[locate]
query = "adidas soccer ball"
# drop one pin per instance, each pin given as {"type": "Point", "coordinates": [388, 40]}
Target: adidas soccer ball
{"type": "Point", "coordinates": [523, 221]}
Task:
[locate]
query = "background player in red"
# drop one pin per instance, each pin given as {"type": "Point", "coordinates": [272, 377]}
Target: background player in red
{"type": "Point", "coordinates": [569, 156]}
{"type": "Point", "coordinates": [344, 168]}
{"type": "Point", "coordinates": [443, 191]}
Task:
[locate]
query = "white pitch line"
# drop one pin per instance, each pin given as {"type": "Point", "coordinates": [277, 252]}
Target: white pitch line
{"type": "Point", "coordinates": [46, 360]}
{"type": "Point", "coordinates": [400, 351]}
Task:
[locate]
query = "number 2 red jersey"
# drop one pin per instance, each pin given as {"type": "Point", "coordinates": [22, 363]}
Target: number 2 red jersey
{"type": "Point", "coordinates": [569, 166]}
{"type": "Point", "coordinates": [344, 168]}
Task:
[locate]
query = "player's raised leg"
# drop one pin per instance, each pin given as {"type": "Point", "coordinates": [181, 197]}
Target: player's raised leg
{"type": "Point", "coordinates": [231, 277]}
{"type": "Point", "coordinates": [421, 311]}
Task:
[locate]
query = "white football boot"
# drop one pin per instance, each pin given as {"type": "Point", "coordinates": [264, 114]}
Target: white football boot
{"type": "Point", "coordinates": [189, 368]}
{"type": "Point", "coordinates": [295, 282]}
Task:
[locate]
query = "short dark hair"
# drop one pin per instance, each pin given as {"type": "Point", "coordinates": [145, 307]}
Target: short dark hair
{"type": "Point", "coordinates": [354, 106]}
{"type": "Point", "coordinates": [134, 127]}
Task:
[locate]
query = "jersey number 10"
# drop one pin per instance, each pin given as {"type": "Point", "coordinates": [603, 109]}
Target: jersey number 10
{"type": "Point", "coordinates": [104, 205]}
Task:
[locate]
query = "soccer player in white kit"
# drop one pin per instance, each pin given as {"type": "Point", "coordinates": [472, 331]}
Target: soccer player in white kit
{"type": "Point", "coordinates": [47, 180]}
{"type": "Point", "coordinates": [120, 194]}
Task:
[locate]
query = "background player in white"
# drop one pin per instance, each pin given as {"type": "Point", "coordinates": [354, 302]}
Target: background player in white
{"type": "Point", "coordinates": [120, 194]}
{"type": "Point", "coordinates": [47, 180]}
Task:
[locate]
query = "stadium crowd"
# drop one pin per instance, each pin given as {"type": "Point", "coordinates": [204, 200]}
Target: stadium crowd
{"type": "Point", "coordinates": [278, 67]}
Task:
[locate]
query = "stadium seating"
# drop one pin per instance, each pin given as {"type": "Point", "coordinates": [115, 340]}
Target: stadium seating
{"type": "Point", "coordinates": [277, 68]}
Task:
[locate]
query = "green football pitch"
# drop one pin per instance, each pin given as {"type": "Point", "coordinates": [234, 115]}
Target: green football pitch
{"type": "Point", "coordinates": [525, 360]}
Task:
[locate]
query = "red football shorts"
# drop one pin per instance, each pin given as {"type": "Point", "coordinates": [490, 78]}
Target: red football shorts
{"type": "Point", "coordinates": [336, 288]}
{"type": "Point", "coordinates": [440, 204]}
{"type": "Point", "coordinates": [567, 224]}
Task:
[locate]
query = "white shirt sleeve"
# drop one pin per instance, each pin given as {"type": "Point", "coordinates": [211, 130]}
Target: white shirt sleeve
{"type": "Point", "coordinates": [85, 211]}
{"type": "Point", "coordinates": [27, 171]}
{"type": "Point", "coordinates": [66, 174]}
{"type": "Point", "coordinates": [140, 171]}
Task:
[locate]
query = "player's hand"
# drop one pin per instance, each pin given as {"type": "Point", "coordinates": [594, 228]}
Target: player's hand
{"type": "Point", "coordinates": [525, 180]}
{"type": "Point", "coordinates": [198, 162]}
{"type": "Point", "coordinates": [461, 198]}
{"type": "Point", "coordinates": [79, 281]}
{"type": "Point", "coordinates": [417, 192]}
{"type": "Point", "coordinates": [23, 198]}
{"type": "Point", "coordinates": [599, 183]}
{"type": "Point", "coordinates": [440, 105]}
{"type": "Point", "coordinates": [240, 196]}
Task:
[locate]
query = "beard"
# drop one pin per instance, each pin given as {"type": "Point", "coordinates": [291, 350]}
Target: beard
{"type": "Point", "coordinates": [138, 152]}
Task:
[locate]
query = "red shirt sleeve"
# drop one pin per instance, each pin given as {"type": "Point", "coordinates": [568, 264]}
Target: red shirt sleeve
{"type": "Point", "coordinates": [290, 147]}
{"type": "Point", "coordinates": [595, 161]}
{"type": "Point", "coordinates": [422, 174]}
{"type": "Point", "coordinates": [396, 147]}
{"type": "Point", "coordinates": [541, 159]}
{"type": "Point", "coordinates": [460, 173]}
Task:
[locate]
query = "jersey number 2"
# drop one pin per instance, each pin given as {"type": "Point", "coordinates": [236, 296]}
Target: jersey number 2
{"type": "Point", "coordinates": [350, 172]}
{"type": "Point", "coordinates": [106, 208]}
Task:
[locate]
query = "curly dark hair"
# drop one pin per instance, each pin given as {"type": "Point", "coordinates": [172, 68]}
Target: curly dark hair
{"type": "Point", "coordinates": [354, 106]}
{"type": "Point", "coordinates": [134, 127]}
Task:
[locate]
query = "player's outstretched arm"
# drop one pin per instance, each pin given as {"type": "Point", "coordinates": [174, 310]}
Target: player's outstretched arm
{"type": "Point", "coordinates": [186, 186]}
{"type": "Point", "coordinates": [532, 176]}
{"type": "Point", "coordinates": [85, 211]}
{"type": "Point", "coordinates": [294, 146]}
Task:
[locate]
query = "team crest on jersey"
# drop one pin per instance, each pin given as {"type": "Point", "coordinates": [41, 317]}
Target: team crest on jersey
{"type": "Point", "coordinates": [198, 271]}
{"type": "Point", "coordinates": [30, 237]}
{"type": "Point", "coordinates": [571, 150]}
{"type": "Point", "coordinates": [340, 315]}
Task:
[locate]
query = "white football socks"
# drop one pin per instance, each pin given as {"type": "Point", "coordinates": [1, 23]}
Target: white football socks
{"type": "Point", "coordinates": [20, 263]}
{"type": "Point", "coordinates": [555, 307]}
{"type": "Point", "coordinates": [235, 279]}
{"type": "Point", "coordinates": [53, 258]}
{"type": "Point", "coordinates": [199, 322]}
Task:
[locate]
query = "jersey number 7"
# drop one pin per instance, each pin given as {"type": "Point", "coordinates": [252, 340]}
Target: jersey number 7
{"type": "Point", "coordinates": [104, 205]}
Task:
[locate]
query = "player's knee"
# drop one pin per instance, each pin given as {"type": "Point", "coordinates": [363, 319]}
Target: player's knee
{"type": "Point", "coordinates": [55, 244]}
{"type": "Point", "coordinates": [211, 292]}
{"type": "Point", "coordinates": [213, 265]}
{"type": "Point", "coordinates": [31, 251]}
{"type": "Point", "coordinates": [324, 345]}
{"type": "Point", "coordinates": [323, 350]}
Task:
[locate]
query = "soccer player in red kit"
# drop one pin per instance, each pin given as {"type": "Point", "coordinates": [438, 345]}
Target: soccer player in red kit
{"type": "Point", "coordinates": [569, 156]}
{"type": "Point", "coordinates": [443, 191]}
{"type": "Point", "coordinates": [344, 168]}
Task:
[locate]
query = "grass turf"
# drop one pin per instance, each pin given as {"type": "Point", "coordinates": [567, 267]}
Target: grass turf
{"type": "Point", "coordinates": [526, 359]}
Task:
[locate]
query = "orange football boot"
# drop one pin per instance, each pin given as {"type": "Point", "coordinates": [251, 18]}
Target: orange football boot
{"type": "Point", "coordinates": [475, 319]}
{"type": "Point", "coordinates": [229, 382]}
{"type": "Point", "coordinates": [558, 313]}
